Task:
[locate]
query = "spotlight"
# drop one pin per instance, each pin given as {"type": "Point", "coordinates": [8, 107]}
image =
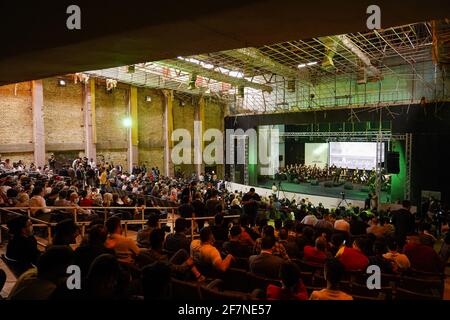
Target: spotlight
{"type": "Point", "coordinates": [62, 83]}
{"type": "Point", "coordinates": [127, 122]}
{"type": "Point", "coordinates": [148, 98]}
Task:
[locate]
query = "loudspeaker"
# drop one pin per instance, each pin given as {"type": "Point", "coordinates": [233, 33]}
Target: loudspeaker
{"type": "Point", "coordinates": [280, 157]}
{"type": "Point", "coordinates": [393, 162]}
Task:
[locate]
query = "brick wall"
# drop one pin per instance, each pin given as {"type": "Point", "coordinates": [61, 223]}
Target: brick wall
{"type": "Point", "coordinates": [64, 122]}
{"type": "Point", "coordinates": [16, 129]}
{"type": "Point", "coordinates": [151, 128]}
{"type": "Point", "coordinates": [63, 115]}
{"type": "Point", "coordinates": [111, 109]}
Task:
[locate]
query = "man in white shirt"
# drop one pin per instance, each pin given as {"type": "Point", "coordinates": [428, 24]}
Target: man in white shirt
{"type": "Point", "coordinates": [203, 252]}
{"type": "Point", "coordinates": [310, 219]}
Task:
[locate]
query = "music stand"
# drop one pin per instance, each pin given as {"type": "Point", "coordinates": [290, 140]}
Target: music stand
{"type": "Point", "coordinates": [280, 188]}
{"type": "Point", "coordinates": [343, 201]}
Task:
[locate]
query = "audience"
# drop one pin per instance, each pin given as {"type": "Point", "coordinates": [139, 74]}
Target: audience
{"type": "Point", "coordinates": [266, 263]}
{"type": "Point", "coordinates": [178, 240]}
{"type": "Point", "coordinates": [22, 246]}
{"type": "Point", "coordinates": [333, 272]}
{"type": "Point", "coordinates": [234, 246]}
{"type": "Point", "coordinates": [316, 254]}
{"type": "Point", "coordinates": [143, 235]}
{"type": "Point", "coordinates": [206, 255]}
{"type": "Point", "coordinates": [422, 256]}
{"type": "Point", "coordinates": [125, 248]}
{"type": "Point", "coordinates": [292, 286]}
{"type": "Point", "coordinates": [40, 283]}
{"type": "Point", "coordinates": [353, 259]}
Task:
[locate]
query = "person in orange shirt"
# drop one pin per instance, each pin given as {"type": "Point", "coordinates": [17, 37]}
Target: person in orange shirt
{"type": "Point", "coordinates": [333, 271]}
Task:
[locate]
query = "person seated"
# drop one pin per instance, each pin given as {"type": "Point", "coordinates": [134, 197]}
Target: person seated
{"type": "Point", "coordinates": [353, 259]}
{"type": "Point", "coordinates": [316, 254]}
{"type": "Point", "coordinates": [180, 263]}
{"type": "Point", "coordinates": [288, 243]}
{"type": "Point", "coordinates": [400, 261]}
{"type": "Point", "coordinates": [342, 224]}
{"type": "Point", "coordinates": [278, 249]}
{"type": "Point", "coordinates": [376, 228]}
{"type": "Point", "coordinates": [233, 246]}
{"type": "Point", "coordinates": [206, 255]}
{"type": "Point", "coordinates": [358, 224]}
{"type": "Point", "coordinates": [422, 256]}
{"type": "Point", "coordinates": [220, 228]}
{"type": "Point", "coordinates": [292, 286]}
{"type": "Point", "coordinates": [425, 233]}
{"type": "Point", "coordinates": [62, 199]}
{"type": "Point", "coordinates": [106, 279]}
{"type": "Point", "coordinates": [326, 222]}
{"type": "Point", "coordinates": [92, 247]}
{"type": "Point", "coordinates": [41, 282]}
{"type": "Point", "coordinates": [310, 219]}
{"type": "Point", "coordinates": [22, 246]}
{"type": "Point", "coordinates": [247, 236]}
{"type": "Point", "coordinates": [156, 280]}
{"type": "Point", "coordinates": [143, 235]}
{"type": "Point", "coordinates": [444, 252]}
{"type": "Point", "coordinates": [125, 248]}
{"type": "Point", "coordinates": [305, 237]}
{"type": "Point", "coordinates": [66, 233]}
{"type": "Point", "coordinates": [333, 272]}
{"type": "Point", "coordinates": [266, 263]}
{"type": "Point", "coordinates": [178, 240]}
{"type": "Point", "coordinates": [378, 259]}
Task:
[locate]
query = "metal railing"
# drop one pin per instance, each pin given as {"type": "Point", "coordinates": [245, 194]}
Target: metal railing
{"type": "Point", "coordinates": [169, 220]}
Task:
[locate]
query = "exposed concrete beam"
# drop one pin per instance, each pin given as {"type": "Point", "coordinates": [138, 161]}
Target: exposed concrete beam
{"type": "Point", "coordinates": [18, 147]}
{"type": "Point", "coordinates": [212, 74]}
{"type": "Point", "coordinates": [361, 55]}
{"type": "Point", "coordinates": [257, 59]}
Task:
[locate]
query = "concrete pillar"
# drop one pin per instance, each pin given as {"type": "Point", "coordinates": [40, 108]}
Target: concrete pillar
{"type": "Point", "coordinates": [168, 129]}
{"type": "Point", "coordinates": [198, 137]}
{"type": "Point", "coordinates": [37, 103]}
{"type": "Point", "coordinates": [90, 148]}
{"type": "Point", "coordinates": [133, 131]}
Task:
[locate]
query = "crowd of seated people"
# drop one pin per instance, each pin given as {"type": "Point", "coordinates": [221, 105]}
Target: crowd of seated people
{"type": "Point", "coordinates": [115, 266]}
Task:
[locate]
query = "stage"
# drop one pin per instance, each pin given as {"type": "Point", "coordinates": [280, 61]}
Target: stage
{"type": "Point", "coordinates": [305, 188]}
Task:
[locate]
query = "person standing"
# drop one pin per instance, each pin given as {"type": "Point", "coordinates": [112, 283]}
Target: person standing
{"type": "Point", "coordinates": [251, 202]}
{"type": "Point", "coordinates": [403, 221]}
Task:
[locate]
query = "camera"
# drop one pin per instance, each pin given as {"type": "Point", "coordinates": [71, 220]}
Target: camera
{"type": "Point", "coordinates": [343, 195]}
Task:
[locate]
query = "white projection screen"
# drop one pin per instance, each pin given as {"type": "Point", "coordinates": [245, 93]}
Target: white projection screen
{"type": "Point", "coordinates": [316, 154]}
{"type": "Point", "coordinates": [352, 155]}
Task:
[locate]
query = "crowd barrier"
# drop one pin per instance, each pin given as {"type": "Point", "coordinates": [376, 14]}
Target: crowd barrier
{"type": "Point", "coordinates": [138, 212]}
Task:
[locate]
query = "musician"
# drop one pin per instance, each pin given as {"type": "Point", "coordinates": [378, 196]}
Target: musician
{"type": "Point", "coordinates": [337, 174]}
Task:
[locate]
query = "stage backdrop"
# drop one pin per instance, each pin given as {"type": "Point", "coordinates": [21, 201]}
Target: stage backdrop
{"type": "Point", "coordinates": [316, 154]}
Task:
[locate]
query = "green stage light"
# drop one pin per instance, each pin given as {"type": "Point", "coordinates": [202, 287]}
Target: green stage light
{"type": "Point", "coordinates": [127, 122]}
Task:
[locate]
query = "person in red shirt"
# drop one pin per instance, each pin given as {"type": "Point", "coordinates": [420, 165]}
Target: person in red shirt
{"type": "Point", "coordinates": [421, 256]}
{"type": "Point", "coordinates": [292, 286]}
{"type": "Point", "coordinates": [353, 258]}
{"type": "Point", "coordinates": [316, 254]}
{"type": "Point", "coordinates": [85, 200]}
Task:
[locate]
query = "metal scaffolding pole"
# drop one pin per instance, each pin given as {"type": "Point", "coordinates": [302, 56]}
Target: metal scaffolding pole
{"type": "Point", "coordinates": [408, 150]}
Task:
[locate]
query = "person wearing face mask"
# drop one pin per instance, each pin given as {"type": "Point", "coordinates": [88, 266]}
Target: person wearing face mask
{"type": "Point", "coordinates": [22, 248]}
